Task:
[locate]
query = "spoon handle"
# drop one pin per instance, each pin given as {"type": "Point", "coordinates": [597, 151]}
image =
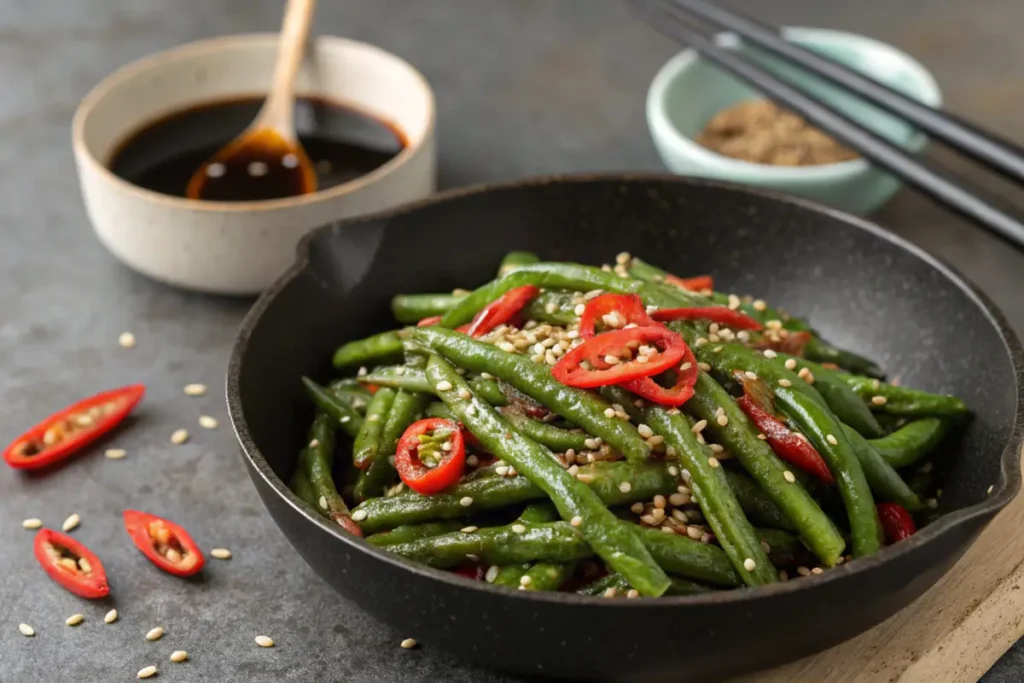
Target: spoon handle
{"type": "Point", "coordinates": [278, 110]}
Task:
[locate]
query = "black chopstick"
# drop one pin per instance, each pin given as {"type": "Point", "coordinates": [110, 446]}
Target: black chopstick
{"type": "Point", "coordinates": [670, 22]}
{"type": "Point", "coordinates": [999, 154]}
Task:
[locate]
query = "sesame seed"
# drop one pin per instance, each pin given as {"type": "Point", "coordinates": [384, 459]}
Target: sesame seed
{"type": "Point", "coordinates": [225, 554]}
{"type": "Point", "coordinates": [803, 571]}
{"type": "Point", "coordinates": [361, 372]}
{"type": "Point", "coordinates": [576, 521]}
{"type": "Point", "coordinates": [790, 363]}
{"type": "Point", "coordinates": [704, 366]}
{"type": "Point", "coordinates": [699, 426]}
{"type": "Point", "coordinates": [443, 385]}
{"type": "Point", "coordinates": [762, 437]}
{"type": "Point", "coordinates": [632, 593]}
{"type": "Point", "coordinates": [314, 443]}
{"type": "Point", "coordinates": [525, 580]}
{"type": "Point", "coordinates": [750, 375]}
{"type": "Point", "coordinates": [579, 309]}
{"type": "Point", "coordinates": [667, 530]}
{"type": "Point", "coordinates": [609, 412]}
{"type": "Point", "coordinates": [492, 573]}
{"type": "Point", "coordinates": [701, 341]}
{"type": "Point", "coordinates": [501, 470]}
{"type": "Point", "coordinates": [471, 410]}
{"type": "Point", "coordinates": [789, 476]}
{"type": "Point", "coordinates": [694, 532]}
{"type": "Point", "coordinates": [207, 422]}
{"type": "Point", "coordinates": [464, 394]}
{"type": "Point", "coordinates": [110, 617]}
{"type": "Point", "coordinates": [264, 641]}
{"type": "Point", "coordinates": [658, 514]}
{"type": "Point", "coordinates": [610, 592]}
{"type": "Point", "coordinates": [678, 499]}
{"type": "Point", "coordinates": [817, 570]}
{"type": "Point", "coordinates": [147, 671]}
{"type": "Point", "coordinates": [26, 630]}
{"type": "Point", "coordinates": [759, 305]}
{"type": "Point", "coordinates": [115, 453]}
{"type": "Point", "coordinates": [359, 515]}
{"type": "Point", "coordinates": [645, 431]}
{"type": "Point", "coordinates": [507, 347]}
{"type": "Point", "coordinates": [195, 389]}
{"type": "Point", "coordinates": [465, 501]}
{"type": "Point", "coordinates": [989, 491]}
{"type": "Point", "coordinates": [806, 375]}
{"type": "Point", "coordinates": [831, 439]}
{"type": "Point", "coordinates": [468, 529]}
{"type": "Point", "coordinates": [155, 633]}
{"type": "Point", "coordinates": [785, 382]}
{"type": "Point", "coordinates": [673, 471]}
{"type": "Point", "coordinates": [713, 462]}
{"type": "Point", "coordinates": [179, 656]}
{"type": "Point", "coordinates": [126, 340]}
{"type": "Point", "coordinates": [179, 436]}
{"type": "Point", "coordinates": [879, 400]}
{"type": "Point", "coordinates": [591, 444]}
{"type": "Point", "coordinates": [734, 302]}
{"type": "Point", "coordinates": [486, 375]}
{"type": "Point", "coordinates": [585, 478]}
{"type": "Point", "coordinates": [71, 522]}
{"type": "Point", "coordinates": [518, 529]}
{"type": "Point", "coordinates": [345, 418]}
{"type": "Point", "coordinates": [625, 487]}
{"type": "Point", "coordinates": [768, 353]}
{"type": "Point", "coordinates": [670, 452]}
{"type": "Point", "coordinates": [931, 503]}
{"type": "Point", "coordinates": [749, 565]}
{"type": "Point", "coordinates": [722, 420]}
{"type": "Point", "coordinates": [32, 523]}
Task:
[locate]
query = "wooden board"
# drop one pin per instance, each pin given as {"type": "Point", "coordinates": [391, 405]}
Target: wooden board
{"type": "Point", "coordinates": [952, 633]}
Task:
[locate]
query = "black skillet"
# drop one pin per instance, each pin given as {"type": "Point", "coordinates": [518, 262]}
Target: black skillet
{"type": "Point", "coordinates": [862, 287]}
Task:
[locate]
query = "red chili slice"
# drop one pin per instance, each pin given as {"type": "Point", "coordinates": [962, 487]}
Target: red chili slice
{"type": "Point", "coordinates": [896, 522]}
{"type": "Point", "coordinates": [629, 308]}
{"type": "Point", "coordinates": [716, 314]}
{"type": "Point", "coordinates": [617, 343]}
{"type": "Point", "coordinates": [756, 402]}
{"type": "Point", "coordinates": [691, 284]}
{"type": "Point", "coordinates": [501, 310]}
{"type": "Point", "coordinates": [71, 564]}
{"type": "Point", "coordinates": [64, 433]}
{"type": "Point", "coordinates": [675, 396]}
{"type": "Point", "coordinates": [164, 543]}
{"type": "Point", "coordinates": [427, 322]}
{"type": "Point", "coordinates": [471, 570]}
{"type": "Point", "coordinates": [421, 459]}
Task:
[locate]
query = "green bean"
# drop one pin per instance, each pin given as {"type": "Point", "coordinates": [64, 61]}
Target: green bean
{"type": "Point", "coordinates": [885, 482]}
{"type": "Point", "coordinates": [548, 576]}
{"type": "Point", "coordinates": [581, 407]}
{"type": "Point", "coordinates": [439, 409]}
{"type": "Point", "coordinates": [516, 259]}
{"type": "Point", "coordinates": [756, 504]}
{"type": "Point", "coordinates": [716, 500]}
{"type": "Point", "coordinates": [904, 400]}
{"type": "Point", "coordinates": [544, 275]}
{"type": "Point", "coordinates": [555, 307]}
{"type": "Point", "coordinates": [488, 389]}
{"type": "Point", "coordinates": [617, 396]}
{"type": "Point", "coordinates": [303, 488]}
{"type": "Point", "coordinates": [405, 409]}
{"type": "Point", "coordinates": [385, 347]}
{"type": "Point", "coordinates": [545, 434]}
{"type": "Point", "coordinates": [368, 441]}
{"type": "Point", "coordinates": [414, 379]}
{"type": "Point", "coordinates": [784, 549]}
{"type": "Point", "coordinates": [352, 392]}
{"type": "Point", "coordinates": [840, 398]}
{"type": "Point", "coordinates": [512, 575]}
{"type": "Point", "coordinates": [817, 349]}
{"type": "Point", "coordinates": [618, 545]}
{"type": "Point", "coordinates": [413, 532]}
{"type": "Point", "coordinates": [679, 554]}
{"type": "Point", "coordinates": [343, 414]}
{"type": "Point", "coordinates": [906, 445]}
{"type": "Point", "coordinates": [412, 308]}
{"type": "Point", "coordinates": [679, 587]}
{"type": "Point", "coordinates": [739, 436]}
{"type": "Point", "coordinates": [317, 459]}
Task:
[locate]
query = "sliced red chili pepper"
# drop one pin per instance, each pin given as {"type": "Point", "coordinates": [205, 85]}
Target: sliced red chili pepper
{"type": "Point", "coordinates": [471, 570]}
{"type": "Point", "coordinates": [691, 284]}
{"type": "Point", "coordinates": [71, 564]}
{"type": "Point", "coordinates": [757, 403]}
{"type": "Point", "coordinates": [896, 522]}
{"type": "Point", "coordinates": [677, 394]}
{"type": "Point", "coordinates": [164, 543]}
{"type": "Point", "coordinates": [626, 308]}
{"type": "Point", "coordinates": [422, 460]}
{"type": "Point", "coordinates": [501, 310]}
{"type": "Point", "coordinates": [64, 433]}
{"type": "Point", "coordinates": [784, 341]}
{"type": "Point", "coordinates": [716, 314]}
{"type": "Point", "coordinates": [620, 344]}
{"type": "Point", "coordinates": [427, 322]}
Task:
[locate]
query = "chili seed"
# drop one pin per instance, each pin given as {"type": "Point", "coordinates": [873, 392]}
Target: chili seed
{"type": "Point", "coordinates": [155, 633]}
{"type": "Point", "coordinates": [74, 619]}
{"type": "Point", "coordinates": [110, 617]}
{"type": "Point", "coordinates": [179, 436]}
{"type": "Point", "coordinates": [71, 522]}
{"type": "Point", "coordinates": [264, 641]}
{"type": "Point", "coordinates": [749, 565]}
{"type": "Point", "coordinates": [26, 630]}
{"type": "Point", "coordinates": [879, 400]}
{"type": "Point", "coordinates": [32, 523]}
{"type": "Point", "coordinates": [179, 656]}
{"type": "Point", "coordinates": [409, 643]}
{"type": "Point", "coordinates": [207, 422]}
{"type": "Point", "coordinates": [225, 554]}
{"type": "Point", "coordinates": [195, 389]}
{"type": "Point", "coordinates": [115, 453]}
{"type": "Point", "coordinates": [750, 375]}
{"type": "Point", "coordinates": [359, 515]}
{"type": "Point", "coordinates": [146, 672]}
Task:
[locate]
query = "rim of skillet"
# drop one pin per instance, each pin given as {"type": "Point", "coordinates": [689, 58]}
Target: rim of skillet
{"type": "Point", "coordinates": [1010, 468]}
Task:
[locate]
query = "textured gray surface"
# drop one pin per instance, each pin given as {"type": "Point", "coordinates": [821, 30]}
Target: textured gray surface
{"type": "Point", "coordinates": [524, 86]}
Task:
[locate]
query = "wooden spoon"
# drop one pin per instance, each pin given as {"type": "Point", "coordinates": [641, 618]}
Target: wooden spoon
{"type": "Point", "coordinates": [266, 161]}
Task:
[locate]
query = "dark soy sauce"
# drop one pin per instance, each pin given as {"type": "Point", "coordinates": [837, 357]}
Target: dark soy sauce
{"type": "Point", "coordinates": [342, 143]}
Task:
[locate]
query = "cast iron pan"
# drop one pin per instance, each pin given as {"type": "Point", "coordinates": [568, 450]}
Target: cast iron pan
{"type": "Point", "coordinates": [860, 286]}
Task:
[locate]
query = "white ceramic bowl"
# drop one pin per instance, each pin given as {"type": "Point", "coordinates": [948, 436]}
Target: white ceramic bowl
{"type": "Point", "coordinates": [240, 248]}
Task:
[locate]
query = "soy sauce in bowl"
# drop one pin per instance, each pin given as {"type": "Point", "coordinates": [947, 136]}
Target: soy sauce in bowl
{"type": "Point", "coordinates": [343, 144]}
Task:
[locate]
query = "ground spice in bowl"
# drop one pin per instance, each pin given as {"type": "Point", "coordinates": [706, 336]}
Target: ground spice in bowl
{"type": "Point", "coordinates": [760, 132]}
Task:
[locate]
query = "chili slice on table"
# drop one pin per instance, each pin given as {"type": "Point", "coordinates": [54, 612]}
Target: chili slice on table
{"type": "Point", "coordinates": [613, 311]}
{"type": "Point", "coordinates": [620, 345]}
{"type": "Point", "coordinates": [897, 523]}
{"type": "Point", "coordinates": [757, 403]}
{"type": "Point", "coordinates": [431, 455]}
{"type": "Point", "coordinates": [71, 564]}
{"type": "Point", "coordinates": [164, 543]}
{"type": "Point", "coordinates": [501, 310]}
{"type": "Point", "coordinates": [699, 283]}
{"type": "Point", "coordinates": [64, 433]}
{"type": "Point", "coordinates": [716, 314]}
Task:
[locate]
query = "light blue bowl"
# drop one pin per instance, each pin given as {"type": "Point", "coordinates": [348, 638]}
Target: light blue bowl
{"type": "Point", "coordinates": [687, 92]}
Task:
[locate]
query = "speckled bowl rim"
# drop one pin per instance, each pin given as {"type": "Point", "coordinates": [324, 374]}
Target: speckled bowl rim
{"type": "Point", "coordinates": [1010, 468]}
{"type": "Point", "coordinates": [666, 132]}
{"type": "Point", "coordinates": [155, 61]}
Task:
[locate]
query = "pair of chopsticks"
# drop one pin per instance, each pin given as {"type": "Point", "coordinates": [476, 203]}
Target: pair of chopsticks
{"type": "Point", "coordinates": [681, 20]}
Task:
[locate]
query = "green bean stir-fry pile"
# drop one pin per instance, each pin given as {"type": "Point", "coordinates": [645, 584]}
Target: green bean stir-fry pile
{"type": "Point", "coordinates": [616, 431]}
